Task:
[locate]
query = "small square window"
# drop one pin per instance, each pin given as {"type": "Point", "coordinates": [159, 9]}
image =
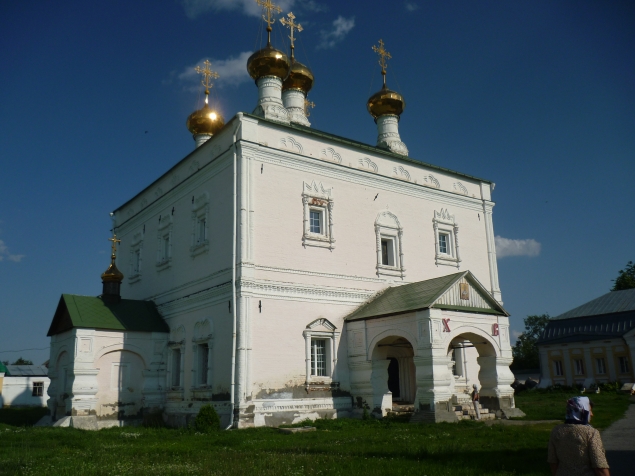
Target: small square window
{"type": "Point", "coordinates": [557, 366]}
{"type": "Point", "coordinates": [624, 367]}
{"type": "Point", "coordinates": [601, 366]}
{"type": "Point", "coordinates": [387, 252]}
{"type": "Point", "coordinates": [38, 389]}
{"type": "Point", "coordinates": [315, 222]}
{"type": "Point", "coordinates": [318, 357]}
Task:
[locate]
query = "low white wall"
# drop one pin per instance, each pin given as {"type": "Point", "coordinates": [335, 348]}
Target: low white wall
{"type": "Point", "coordinates": [18, 392]}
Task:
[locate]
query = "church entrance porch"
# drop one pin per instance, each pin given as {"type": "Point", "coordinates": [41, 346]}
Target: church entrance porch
{"type": "Point", "coordinates": [431, 341]}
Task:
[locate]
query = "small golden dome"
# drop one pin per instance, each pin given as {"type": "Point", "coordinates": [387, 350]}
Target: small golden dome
{"type": "Point", "coordinates": [300, 77]}
{"type": "Point", "coordinates": [384, 102]}
{"type": "Point", "coordinates": [112, 273]}
{"type": "Point", "coordinates": [205, 121]}
{"type": "Point", "coordinates": [268, 62]}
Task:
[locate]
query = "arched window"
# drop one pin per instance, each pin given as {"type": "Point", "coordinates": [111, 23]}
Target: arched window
{"type": "Point", "coordinates": [389, 238]}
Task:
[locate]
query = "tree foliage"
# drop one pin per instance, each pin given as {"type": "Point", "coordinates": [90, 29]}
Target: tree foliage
{"type": "Point", "coordinates": [22, 361]}
{"type": "Point", "coordinates": [625, 278]}
{"type": "Point", "coordinates": [525, 351]}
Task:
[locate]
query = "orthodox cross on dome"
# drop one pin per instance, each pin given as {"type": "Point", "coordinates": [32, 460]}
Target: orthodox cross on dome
{"type": "Point", "coordinates": [269, 7]}
{"type": "Point", "coordinates": [208, 75]}
{"type": "Point", "coordinates": [114, 244]}
{"type": "Point", "coordinates": [307, 105]}
{"type": "Point", "coordinates": [383, 56]}
{"type": "Point", "coordinates": [292, 26]}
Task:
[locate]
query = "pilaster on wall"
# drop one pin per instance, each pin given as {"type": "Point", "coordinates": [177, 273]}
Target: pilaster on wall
{"type": "Point", "coordinates": [491, 251]}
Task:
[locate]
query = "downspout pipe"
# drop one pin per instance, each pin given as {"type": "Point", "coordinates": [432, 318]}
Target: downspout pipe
{"type": "Point", "coordinates": [232, 399]}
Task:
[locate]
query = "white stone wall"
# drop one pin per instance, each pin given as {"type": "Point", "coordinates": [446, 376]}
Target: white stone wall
{"type": "Point", "coordinates": [294, 284]}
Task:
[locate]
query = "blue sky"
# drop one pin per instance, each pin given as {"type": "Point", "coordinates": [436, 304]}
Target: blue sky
{"type": "Point", "coordinates": [537, 96]}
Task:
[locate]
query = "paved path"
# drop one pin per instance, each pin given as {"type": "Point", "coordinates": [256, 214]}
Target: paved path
{"type": "Point", "coordinates": [619, 443]}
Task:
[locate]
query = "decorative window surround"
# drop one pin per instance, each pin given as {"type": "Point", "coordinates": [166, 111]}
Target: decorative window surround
{"type": "Point", "coordinates": [330, 335]}
{"type": "Point", "coordinates": [136, 257]}
{"type": "Point", "coordinates": [202, 369]}
{"type": "Point", "coordinates": [315, 198]}
{"type": "Point", "coordinates": [164, 242]}
{"type": "Point", "coordinates": [200, 225]}
{"type": "Point", "coordinates": [388, 228]}
{"type": "Point", "coordinates": [446, 239]}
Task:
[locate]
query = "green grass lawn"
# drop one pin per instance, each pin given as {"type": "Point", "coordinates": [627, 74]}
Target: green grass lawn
{"type": "Point", "coordinates": [338, 447]}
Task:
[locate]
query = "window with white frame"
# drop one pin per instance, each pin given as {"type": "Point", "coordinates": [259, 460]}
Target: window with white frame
{"type": "Point", "coordinates": [318, 204]}
{"type": "Point", "coordinates": [601, 366]}
{"type": "Point", "coordinates": [38, 389]}
{"type": "Point", "coordinates": [389, 238]}
{"type": "Point", "coordinates": [446, 239]}
{"type": "Point", "coordinates": [203, 345]}
{"type": "Point", "coordinates": [200, 223]}
{"type": "Point", "coordinates": [176, 349]}
{"type": "Point", "coordinates": [578, 366]}
{"type": "Point", "coordinates": [557, 368]}
{"type": "Point", "coordinates": [624, 367]}
{"type": "Point", "coordinates": [321, 338]}
{"type": "Point", "coordinates": [136, 257]}
{"type": "Point", "coordinates": [164, 239]}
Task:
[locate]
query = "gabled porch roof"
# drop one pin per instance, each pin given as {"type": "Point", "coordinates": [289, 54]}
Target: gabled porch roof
{"type": "Point", "coordinates": [440, 293]}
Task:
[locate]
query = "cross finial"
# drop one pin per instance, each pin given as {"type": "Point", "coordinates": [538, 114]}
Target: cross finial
{"type": "Point", "coordinates": [383, 56]}
{"type": "Point", "coordinates": [269, 7]}
{"type": "Point", "coordinates": [292, 26]}
{"type": "Point", "coordinates": [114, 245]}
{"type": "Point", "coordinates": [208, 75]}
{"type": "Point", "coordinates": [307, 105]}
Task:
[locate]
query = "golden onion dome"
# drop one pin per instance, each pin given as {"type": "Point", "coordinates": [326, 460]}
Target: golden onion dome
{"type": "Point", "coordinates": [385, 102]}
{"type": "Point", "coordinates": [205, 121]}
{"type": "Point", "coordinates": [300, 77]}
{"type": "Point", "coordinates": [268, 62]}
{"type": "Point", "coordinates": [112, 273]}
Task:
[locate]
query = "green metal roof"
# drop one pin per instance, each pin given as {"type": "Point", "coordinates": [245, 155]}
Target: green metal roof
{"type": "Point", "coordinates": [615, 301]}
{"type": "Point", "coordinates": [4, 370]}
{"type": "Point", "coordinates": [420, 295]}
{"type": "Point", "coordinates": [88, 312]}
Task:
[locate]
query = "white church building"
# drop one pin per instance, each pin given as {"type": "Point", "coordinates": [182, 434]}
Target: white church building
{"type": "Point", "coordinates": [280, 273]}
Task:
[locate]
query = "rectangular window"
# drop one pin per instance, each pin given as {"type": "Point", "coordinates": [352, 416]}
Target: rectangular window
{"type": "Point", "coordinates": [318, 357]}
{"type": "Point", "coordinates": [315, 222]}
{"type": "Point", "coordinates": [166, 247]}
{"type": "Point", "coordinates": [579, 366]}
{"type": "Point", "coordinates": [624, 367]}
{"type": "Point", "coordinates": [601, 366]}
{"type": "Point", "coordinates": [203, 356]}
{"type": "Point", "coordinates": [176, 367]}
{"type": "Point", "coordinates": [557, 367]}
{"type": "Point", "coordinates": [38, 389]}
{"type": "Point", "coordinates": [387, 252]}
{"type": "Point", "coordinates": [119, 377]}
{"type": "Point", "coordinates": [137, 261]}
{"type": "Point", "coordinates": [444, 243]}
{"type": "Point", "coordinates": [202, 232]}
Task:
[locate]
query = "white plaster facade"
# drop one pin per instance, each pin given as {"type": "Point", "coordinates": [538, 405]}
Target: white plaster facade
{"type": "Point", "coordinates": [19, 389]}
{"type": "Point", "coordinates": [235, 211]}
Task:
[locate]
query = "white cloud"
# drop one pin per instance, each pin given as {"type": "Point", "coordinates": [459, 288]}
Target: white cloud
{"type": "Point", "coordinates": [4, 253]}
{"type": "Point", "coordinates": [194, 8]}
{"type": "Point", "coordinates": [516, 334]}
{"type": "Point", "coordinates": [411, 6]}
{"type": "Point", "coordinates": [231, 71]}
{"type": "Point", "coordinates": [340, 28]}
{"type": "Point", "coordinates": [506, 247]}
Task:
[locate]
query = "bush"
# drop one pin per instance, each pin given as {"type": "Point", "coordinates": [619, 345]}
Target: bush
{"type": "Point", "coordinates": [207, 420]}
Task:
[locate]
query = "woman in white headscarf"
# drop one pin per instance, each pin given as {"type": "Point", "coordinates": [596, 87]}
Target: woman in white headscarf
{"type": "Point", "coordinates": [575, 448]}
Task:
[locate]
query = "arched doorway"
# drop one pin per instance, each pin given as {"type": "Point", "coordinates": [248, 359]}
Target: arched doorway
{"type": "Point", "coordinates": [393, 369]}
{"type": "Point", "coordinates": [466, 364]}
